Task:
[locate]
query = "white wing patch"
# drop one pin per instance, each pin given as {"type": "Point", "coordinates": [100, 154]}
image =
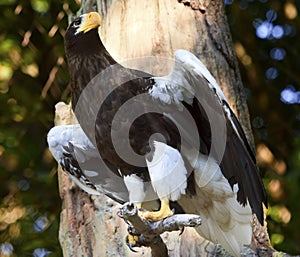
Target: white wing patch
{"type": "Point", "coordinates": [194, 65]}
{"type": "Point", "coordinates": [59, 137]}
{"type": "Point", "coordinates": [89, 175]}
{"type": "Point", "coordinates": [167, 172]}
{"type": "Point", "coordinates": [167, 90]}
{"type": "Point", "coordinates": [176, 86]}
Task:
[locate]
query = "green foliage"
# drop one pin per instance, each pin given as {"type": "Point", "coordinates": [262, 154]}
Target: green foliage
{"type": "Point", "coordinates": [31, 34]}
{"type": "Point", "coordinates": [34, 76]}
{"type": "Point", "coordinates": [264, 34]}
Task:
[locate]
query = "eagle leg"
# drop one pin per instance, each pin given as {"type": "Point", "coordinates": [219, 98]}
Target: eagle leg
{"type": "Point", "coordinates": [162, 213]}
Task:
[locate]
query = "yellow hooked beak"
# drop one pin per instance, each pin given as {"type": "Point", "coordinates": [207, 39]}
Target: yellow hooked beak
{"type": "Point", "coordinates": [90, 21]}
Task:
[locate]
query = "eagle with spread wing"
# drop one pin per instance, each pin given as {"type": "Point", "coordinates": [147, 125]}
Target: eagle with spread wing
{"type": "Point", "coordinates": [174, 138]}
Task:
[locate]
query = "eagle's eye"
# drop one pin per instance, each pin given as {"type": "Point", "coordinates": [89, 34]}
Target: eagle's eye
{"type": "Point", "coordinates": [77, 23]}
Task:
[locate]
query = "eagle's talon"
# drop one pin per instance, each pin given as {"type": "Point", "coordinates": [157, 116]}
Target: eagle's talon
{"type": "Point", "coordinates": [130, 246]}
{"type": "Point", "coordinates": [181, 229]}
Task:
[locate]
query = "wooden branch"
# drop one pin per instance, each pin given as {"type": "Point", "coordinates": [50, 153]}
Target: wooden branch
{"type": "Point", "coordinates": [149, 232]}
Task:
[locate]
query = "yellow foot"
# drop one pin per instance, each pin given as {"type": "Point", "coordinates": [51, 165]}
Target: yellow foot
{"type": "Point", "coordinates": [132, 241]}
{"type": "Point", "coordinates": [164, 212]}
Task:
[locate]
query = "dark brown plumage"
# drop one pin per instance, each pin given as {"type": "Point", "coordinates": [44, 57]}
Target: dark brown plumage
{"type": "Point", "coordinates": [87, 62]}
{"type": "Point", "coordinates": [87, 58]}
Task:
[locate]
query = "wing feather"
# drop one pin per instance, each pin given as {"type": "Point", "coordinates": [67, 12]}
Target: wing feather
{"type": "Point", "coordinates": [81, 160]}
{"type": "Point", "coordinates": [190, 80]}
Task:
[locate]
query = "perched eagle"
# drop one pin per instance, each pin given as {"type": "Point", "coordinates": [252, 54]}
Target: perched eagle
{"type": "Point", "coordinates": [174, 138]}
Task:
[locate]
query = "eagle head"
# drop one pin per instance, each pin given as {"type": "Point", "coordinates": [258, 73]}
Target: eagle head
{"type": "Point", "coordinates": [82, 33]}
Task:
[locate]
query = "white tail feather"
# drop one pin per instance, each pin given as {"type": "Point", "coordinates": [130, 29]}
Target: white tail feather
{"type": "Point", "coordinates": [225, 221]}
{"type": "Point", "coordinates": [221, 226]}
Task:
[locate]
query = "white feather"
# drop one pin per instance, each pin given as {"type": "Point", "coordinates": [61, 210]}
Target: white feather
{"type": "Point", "coordinates": [135, 186]}
{"type": "Point", "coordinates": [225, 221]}
{"type": "Point", "coordinates": [60, 136]}
{"type": "Point", "coordinates": [177, 87]}
{"type": "Point", "coordinates": [84, 187]}
{"type": "Point", "coordinates": [90, 173]}
{"type": "Point", "coordinates": [88, 159]}
{"type": "Point", "coordinates": [192, 63]}
{"type": "Point", "coordinates": [167, 172]}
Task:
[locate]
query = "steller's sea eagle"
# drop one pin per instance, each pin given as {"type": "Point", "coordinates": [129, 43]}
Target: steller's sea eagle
{"type": "Point", "coordinates": [172, 138]}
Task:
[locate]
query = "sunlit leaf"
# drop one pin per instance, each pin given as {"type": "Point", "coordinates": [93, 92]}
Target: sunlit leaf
{"type": "Point", "coordinates": [276, 239]}
{"type": "Point", "coordinates": [40, 5]}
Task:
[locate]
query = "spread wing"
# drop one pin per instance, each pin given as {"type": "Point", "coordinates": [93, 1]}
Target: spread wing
{"type": "Point", "coordinates": [192, 84]}
{"type": "Point", "coordinates": [80, 159]}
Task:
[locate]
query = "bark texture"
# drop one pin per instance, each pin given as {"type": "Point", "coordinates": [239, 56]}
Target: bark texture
{"type": "Point", "coordinates": [132, 29]}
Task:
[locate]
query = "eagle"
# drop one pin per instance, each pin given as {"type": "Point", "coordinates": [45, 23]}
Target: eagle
{"type": "Point", "coordinates": [143, 138]}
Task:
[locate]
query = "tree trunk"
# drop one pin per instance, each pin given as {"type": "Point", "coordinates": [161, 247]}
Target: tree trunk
{"type": "Point", "coordinates": [131, 29]}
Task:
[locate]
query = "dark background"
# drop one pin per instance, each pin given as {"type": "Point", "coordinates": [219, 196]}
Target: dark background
{"type": "Point", "coordinates": [34, 77]}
